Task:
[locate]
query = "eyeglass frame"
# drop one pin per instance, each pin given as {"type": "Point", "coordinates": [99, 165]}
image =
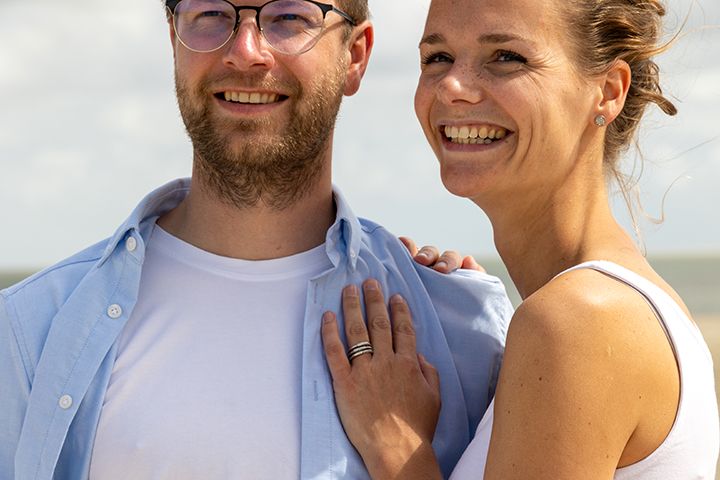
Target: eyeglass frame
{"type": "Point", "coordinates": [326, 8]}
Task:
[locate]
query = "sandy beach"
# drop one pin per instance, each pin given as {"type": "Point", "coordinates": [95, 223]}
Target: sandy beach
{"type": "Point", "coordinates": [710, 328]}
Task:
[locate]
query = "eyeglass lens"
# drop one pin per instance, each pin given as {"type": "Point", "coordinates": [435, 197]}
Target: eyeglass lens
{"type": "Point", "coordinates": [289, 26]}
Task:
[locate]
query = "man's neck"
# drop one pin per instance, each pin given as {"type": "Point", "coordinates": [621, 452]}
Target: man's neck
{"type": "Point", "coordinates": [253, 233]}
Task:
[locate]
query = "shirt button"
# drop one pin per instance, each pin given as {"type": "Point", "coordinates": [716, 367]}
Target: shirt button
{"type": "Point", "coordinates": [65, 402]}
{"type": "Point", "coordinates": [131, 244]}
{"type": "Point", "coordinates": [114, 311]}
{"type": "Point", "coordinates": [352, 253]}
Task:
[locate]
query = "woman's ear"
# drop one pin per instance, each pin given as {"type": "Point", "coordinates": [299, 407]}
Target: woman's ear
{"type": "Point", "coordinates": [360, 46]}
{"type": "Point", "coordinates": [614, 86]}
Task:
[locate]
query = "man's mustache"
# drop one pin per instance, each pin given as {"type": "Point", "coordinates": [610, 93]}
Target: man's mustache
{"type": "Point", "coordinates": [250, 82]}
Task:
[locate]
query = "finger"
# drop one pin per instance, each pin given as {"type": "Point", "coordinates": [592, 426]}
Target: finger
{"type": "Point", "coordinates": [448, 262]}
{"type": "Point", "coordinates": [355, 330]}
{"type": "Point", "coordinates": [427, 255]}
{"type": "Point", "coordinates": [410, 245]}
{"type": "Point", "coordinates": [469, 263]}
{"type": "Point", "coordinates": [378, 319]}
{"type": "Point", "coordinates": [334, 349]}
{"type": "Point", "coordinates": [402, 327]}
{"type": "Point", "coordinates": [432, 377]}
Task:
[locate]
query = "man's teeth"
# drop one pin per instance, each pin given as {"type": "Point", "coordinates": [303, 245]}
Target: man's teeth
{"type": "Point", "coordinates": [475, 135]}
{"type": "Point", "coordinates": [254, 98]}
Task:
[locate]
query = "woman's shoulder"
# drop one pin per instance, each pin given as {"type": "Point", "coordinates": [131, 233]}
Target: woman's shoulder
{"type": "Point", "coordinates": [584, 326]}
{"type": "Point", "coordinates": [576, 370]}
{"type": "Point", "coordinates": [592, 349]}
{"type": "Point", "coordinates": [586, 300]}
{"type": "Point", "coordinates": [582, 305]}
{"type": "Point", "coordinates": [597, 341]}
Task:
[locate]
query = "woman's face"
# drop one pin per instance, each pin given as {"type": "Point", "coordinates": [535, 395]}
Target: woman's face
{"type": "Point", "coordinates": [498, 97]}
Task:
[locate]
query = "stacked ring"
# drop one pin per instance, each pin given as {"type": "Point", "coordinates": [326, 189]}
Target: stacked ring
{"type": "Point", "coordinates": [359, 349]}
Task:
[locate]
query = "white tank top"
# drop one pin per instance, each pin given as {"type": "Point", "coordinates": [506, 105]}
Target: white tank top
{"type": "Point", "coordinates": [690, 450]}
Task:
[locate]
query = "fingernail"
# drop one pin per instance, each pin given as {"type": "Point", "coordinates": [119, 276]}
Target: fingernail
{"type": "Point", "coordinates": [327, 317]}
{"type": "Point", "coordinates": [397, 298]}
{"type": "Point", "coordinates": [371, 285]}
{"type": "Point", "coordinates": [351, 290]}
{"type": "Point", "coordinates": [442, 265]}
{"type": "Point", "coordinates": [422, 254]}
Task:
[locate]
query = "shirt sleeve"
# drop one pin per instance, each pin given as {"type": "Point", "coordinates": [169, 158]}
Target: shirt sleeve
{"type": "Point", "coordinates": [14, 390]}
{"type": "Point", "coordinates": [474, 312]}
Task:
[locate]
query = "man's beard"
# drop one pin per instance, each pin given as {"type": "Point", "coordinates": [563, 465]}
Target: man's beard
{"type": "Point", "coordinates": [276, 172]}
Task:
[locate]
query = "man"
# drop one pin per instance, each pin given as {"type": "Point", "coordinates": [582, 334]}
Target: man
{"type": "Point", "coordinates": [188, 344]}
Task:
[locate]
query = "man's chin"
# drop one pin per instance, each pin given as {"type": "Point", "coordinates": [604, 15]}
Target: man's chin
{"type": "Point", "coordinates": [253, 144]}
{"type": "Point", "coordinates": [251, 149]}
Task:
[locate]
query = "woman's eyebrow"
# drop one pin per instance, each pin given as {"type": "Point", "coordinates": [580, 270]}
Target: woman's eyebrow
{"type": "Point", "coordinates": [435, 38]}
{"type": "Point", "coordinates": [432, 39]}
{"type": "Point", "coordinates": [499, 38]}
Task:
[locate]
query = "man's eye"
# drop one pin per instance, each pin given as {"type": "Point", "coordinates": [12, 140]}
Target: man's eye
{"type": "Point", "coordinates": [212, 13]}
{"type": "Point", "coordinates": [288, 18]}
{"type": "Point", "coordinates": [208, 17]}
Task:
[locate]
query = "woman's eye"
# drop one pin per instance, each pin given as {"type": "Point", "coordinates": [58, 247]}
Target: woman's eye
{"type": "Point", "coordinates": [431, 58]}
{"type": "Point", "coordinates": [506, 56]}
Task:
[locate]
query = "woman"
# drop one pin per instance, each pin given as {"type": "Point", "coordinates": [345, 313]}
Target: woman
{"type": "Point", "coordinates": [528, 105]}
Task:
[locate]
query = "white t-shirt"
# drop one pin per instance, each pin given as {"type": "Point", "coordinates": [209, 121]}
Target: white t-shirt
{"type": "Point", "coordinates": [206, 383]}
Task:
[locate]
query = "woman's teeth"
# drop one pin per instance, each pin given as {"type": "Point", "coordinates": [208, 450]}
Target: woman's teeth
{"type": "Point", "coordinates": [474, 135]}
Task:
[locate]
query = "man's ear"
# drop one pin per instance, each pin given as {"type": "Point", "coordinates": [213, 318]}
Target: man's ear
{"type": "Point", "coordinates": [171, 28]}
{"type": "Point", "coordinates": [360, 46]}
{"type": "Point", "coordinates": [614, 87]}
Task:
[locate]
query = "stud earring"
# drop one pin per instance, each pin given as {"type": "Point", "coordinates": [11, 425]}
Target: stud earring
{"type": "Point", "coordinates": [600, 120]}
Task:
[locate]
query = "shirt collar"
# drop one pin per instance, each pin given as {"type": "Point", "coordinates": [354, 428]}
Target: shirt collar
{"type": "Point", "coordinates": [155, 204]}
{"type": "Point", "coordinates": [342, 242]}
{"type": "Point", "coordinates": [344, 238]}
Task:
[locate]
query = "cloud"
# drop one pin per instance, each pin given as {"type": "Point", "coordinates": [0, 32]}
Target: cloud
{"type": "Point", "coordinates": [88, 125]}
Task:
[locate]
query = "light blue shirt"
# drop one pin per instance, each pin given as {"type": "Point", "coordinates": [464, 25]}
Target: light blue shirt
{"type": "Point", "coordinates": [59, 331]}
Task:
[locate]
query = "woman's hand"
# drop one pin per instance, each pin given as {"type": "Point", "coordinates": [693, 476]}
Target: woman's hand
{"type": "Point", "coordinates": [388, 400]}
{"type": "Point", "coordinates": [447, 262]}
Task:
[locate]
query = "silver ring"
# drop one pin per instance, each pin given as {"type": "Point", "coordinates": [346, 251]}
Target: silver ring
{"type": "Point", "coordinates": [359, 349]}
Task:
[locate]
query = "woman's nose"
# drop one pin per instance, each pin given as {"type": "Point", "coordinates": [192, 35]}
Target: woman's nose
{"type": "Point", "coordinates": [461, 85]}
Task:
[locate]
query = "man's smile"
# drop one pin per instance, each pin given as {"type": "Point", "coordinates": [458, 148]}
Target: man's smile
{"type": "Point", "coordinates": [252, 98]}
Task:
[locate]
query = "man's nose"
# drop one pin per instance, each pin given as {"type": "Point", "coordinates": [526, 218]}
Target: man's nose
{"type": "Point", "coordinates": [248, 49]}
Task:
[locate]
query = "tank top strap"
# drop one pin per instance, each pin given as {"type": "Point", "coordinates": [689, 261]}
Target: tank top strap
{"type": "Point", "coordinates": [640, 284]}
{"type": "Point", "coordinates": [658, 300]}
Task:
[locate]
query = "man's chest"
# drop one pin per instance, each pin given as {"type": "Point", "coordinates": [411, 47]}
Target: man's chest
{"type": "Point", "coordinates": [206, 383]}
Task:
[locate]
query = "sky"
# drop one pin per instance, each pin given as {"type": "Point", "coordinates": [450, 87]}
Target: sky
{"type": "Point", "coordinates": [89, 125]}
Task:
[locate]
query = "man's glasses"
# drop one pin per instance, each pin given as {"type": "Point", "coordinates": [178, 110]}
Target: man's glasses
{"type": "Point", "coordinates": [289, 26]}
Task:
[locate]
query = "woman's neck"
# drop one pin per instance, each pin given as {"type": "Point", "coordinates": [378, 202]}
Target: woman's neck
{"type": "Point", "coordinates": [547, 234]}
